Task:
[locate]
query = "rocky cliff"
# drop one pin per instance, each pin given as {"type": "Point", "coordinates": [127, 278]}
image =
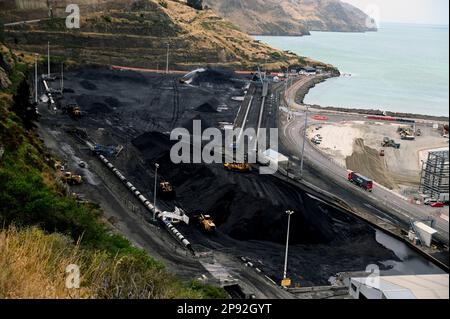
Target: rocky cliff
{"type": "Point", "coordinates": [136, 33]}
{"type": "Point", "coordinates": [292, 17]}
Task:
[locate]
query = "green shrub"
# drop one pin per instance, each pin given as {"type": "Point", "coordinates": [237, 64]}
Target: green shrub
{"type": "Point", "coordinates": [107, 19]}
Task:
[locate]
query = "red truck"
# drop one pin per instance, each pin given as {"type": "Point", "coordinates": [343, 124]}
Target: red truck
{"type": "Point", "coordinates": [360, 181]}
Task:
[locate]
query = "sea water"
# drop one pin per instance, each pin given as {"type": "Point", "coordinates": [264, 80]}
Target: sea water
{"type": "Point", "coordinates": [400, 68]}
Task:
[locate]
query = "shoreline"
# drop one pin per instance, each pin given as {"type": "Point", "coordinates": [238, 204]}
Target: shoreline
{"type": "Point", "coordinates": [303, 90]}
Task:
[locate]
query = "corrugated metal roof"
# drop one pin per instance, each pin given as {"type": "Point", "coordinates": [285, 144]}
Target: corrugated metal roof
{"type": "Point", "coordinates": [425, 228]}
{"type": "Point", "coordinates": [410, 287]}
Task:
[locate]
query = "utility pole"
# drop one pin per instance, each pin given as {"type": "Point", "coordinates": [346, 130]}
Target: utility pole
{"type": "Point", "coordinates": [286, 81]}
{"type": "Point", "coordinates": [154, 192]}
{"type": "Point", "coordinates": [36, 78]}
{"type": "Point", "coordinates": [48, 58]}
{"type": "Point", "coordinates": [286, 282]}
{"type": "Point", "coordinates": [167, 59]}
{"type": "Point", "coordinates": [304, 142]}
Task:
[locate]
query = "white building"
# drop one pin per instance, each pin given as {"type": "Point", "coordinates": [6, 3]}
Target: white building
{"type": "Point", "coordinates": [401, 287]}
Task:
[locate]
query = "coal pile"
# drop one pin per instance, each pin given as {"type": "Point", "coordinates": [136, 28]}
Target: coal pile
{"type": "Point", "coordinates": [215, 76]}
{"type": "Point", "coordinates": [68, 90]}
{"type": "Point", "coordinates": [99, 108]}
{"type": "Point", "coordinates": [209, 106]}
{"type": "Point", "coordinates": [92, 74]}
{"type": "Point", "coordinates": [204, 121]}
{"type": "Point", "coordinates": [140, 102]}
{"type": "Point", "coordinates": [88, 85]}
{"type": "Point", "coordinates": [93, 104]}
{"type": "Point", "coordinates": [249, 206]}
{"type": "Point", "coordinates": [113, 102]}
{"type": "Point", "coordinates": [249, 210]}
{"type": "Point", "coordinates": [153, 145]}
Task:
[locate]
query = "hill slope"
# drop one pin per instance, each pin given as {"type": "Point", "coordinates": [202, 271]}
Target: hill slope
{"type": "Point", "coordinates": [292, 17]}
{"type": "Point", "coordinates": [136, 33]}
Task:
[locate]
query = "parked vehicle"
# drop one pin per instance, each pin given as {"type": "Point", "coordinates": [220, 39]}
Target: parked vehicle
{"type": "Point", "coordinates": [430, 201]}
{"type": "Point", "coordinates": [207, 223]}
{"type": "Point", "coordinates": [166, 190]}
{"type": "Point", "coordinates": [437, 205]}
{"type": "Point", "coordinates": [360, 181]}
{"type": "Point", "coordinates": [72, 179]}
{"type": "Point", "coordinates": [387, 142]}
{"type": "Point", "coordinates": [317, 139]}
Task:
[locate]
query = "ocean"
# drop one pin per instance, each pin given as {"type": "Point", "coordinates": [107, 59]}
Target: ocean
{"type": "Point", "coordinates": [400, 68]}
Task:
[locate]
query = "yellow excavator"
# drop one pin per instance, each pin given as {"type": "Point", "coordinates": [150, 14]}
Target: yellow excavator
{"type": "Point", "coordinates": [237, 167]}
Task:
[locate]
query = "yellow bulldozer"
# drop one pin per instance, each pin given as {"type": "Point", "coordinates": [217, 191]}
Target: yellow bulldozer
{"type": "Point", "coordinates": [73, 110]}
{"type": "Point", "coordinates": [166, 190]}
{"type": "Point", "coordinates": [58, 166]}
{"type": "Point", "coordinates": [237, 167]}
{"type": "Point", "coordinates": [206, 223]}
{"type": "Point", "coordinates": [72, 179]}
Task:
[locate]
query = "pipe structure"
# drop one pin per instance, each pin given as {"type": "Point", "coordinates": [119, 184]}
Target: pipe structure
{"type": "Point", "coordinates": [148, 205]}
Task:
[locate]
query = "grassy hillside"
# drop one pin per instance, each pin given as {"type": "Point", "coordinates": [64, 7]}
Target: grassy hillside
{"type": "Point", "coordinates": [136, 33]}
{"type": "Point", "coordinates": [34, 265]}
{"type": "Point", "coordinates": [30, 196]}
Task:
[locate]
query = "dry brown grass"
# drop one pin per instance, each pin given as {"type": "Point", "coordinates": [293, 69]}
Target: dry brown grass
{"type": "Point", "coordinates": [33, 265]}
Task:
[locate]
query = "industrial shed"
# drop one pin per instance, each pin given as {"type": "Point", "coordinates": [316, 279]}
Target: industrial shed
{"type": "Point", "coordinates": [401, 287]}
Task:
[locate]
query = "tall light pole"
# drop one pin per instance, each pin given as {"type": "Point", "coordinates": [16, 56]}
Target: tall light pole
{"type": "Point", "coordinates": [154, 192]}
{"type": "Point", "coordinates": [289, 213]}
{"type": "Point", "coordinates": [62, 78]}
{"type": "Point", "coordinates": [304, 142]}
{"type": "Point", "coordinates": [36, 78]}
{"type": "Point", "coordinates": [167, 59]}
{"type": "Point", "coordinates": [48, 58]}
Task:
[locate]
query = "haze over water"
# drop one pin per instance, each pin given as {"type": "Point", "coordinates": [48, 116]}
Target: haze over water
{"type": "Point", "coordinates": [401, 68]}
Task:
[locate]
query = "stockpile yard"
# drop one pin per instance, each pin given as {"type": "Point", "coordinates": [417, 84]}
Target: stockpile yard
{"type": "Point", "coordinates": [138, 110]}
{"type": "Point", "coordinates": [357, 145]}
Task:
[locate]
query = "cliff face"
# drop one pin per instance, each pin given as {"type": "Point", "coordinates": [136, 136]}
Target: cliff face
{"type": "Point", "coordinates": [136, 33]}
{"type": "Point", "coordinates": [292, 17]}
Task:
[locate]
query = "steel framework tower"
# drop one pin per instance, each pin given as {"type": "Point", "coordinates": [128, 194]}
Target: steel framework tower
{"type": "Point", "coordinates": [435, 175]}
